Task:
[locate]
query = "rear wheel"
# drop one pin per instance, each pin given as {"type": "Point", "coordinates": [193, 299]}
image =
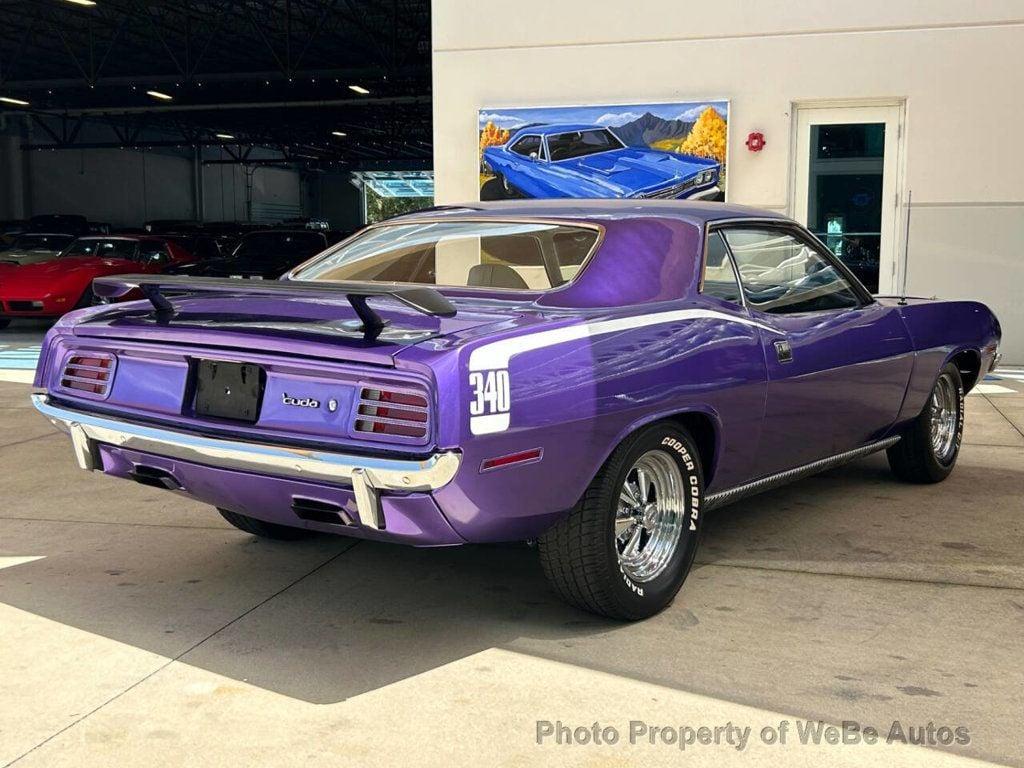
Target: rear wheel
{"type": "Point", "coordinates": [626, 548]}
{"type": "Point", "coordinates": [4, 322]}
{"type": "Point", "coordinates": [929, 445]}
{"type": "Point", "coordinates": [262, 528]}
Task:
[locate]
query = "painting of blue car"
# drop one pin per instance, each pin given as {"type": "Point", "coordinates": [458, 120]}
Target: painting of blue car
{"type": "Point", "coordinates": [656, 153]}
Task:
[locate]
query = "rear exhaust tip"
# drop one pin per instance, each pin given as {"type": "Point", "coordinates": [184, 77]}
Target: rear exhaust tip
{"type": "Point", "coordinates": [155, 478]}
{"type": "Point", "coordinates": [317, 511]}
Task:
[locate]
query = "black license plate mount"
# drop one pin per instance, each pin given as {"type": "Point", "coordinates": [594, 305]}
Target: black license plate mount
{"type": "Point", "coordinates": [229, 390]}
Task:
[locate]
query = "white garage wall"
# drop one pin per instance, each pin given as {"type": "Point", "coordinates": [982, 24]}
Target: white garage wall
{"type": "Point", "coordinates": [956, 65]}
{"type": "Point", "coordinates": [272, 188]}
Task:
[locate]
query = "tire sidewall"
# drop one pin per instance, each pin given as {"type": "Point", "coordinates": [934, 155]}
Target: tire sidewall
{"type": "Point", "coordinates": [641, 599]}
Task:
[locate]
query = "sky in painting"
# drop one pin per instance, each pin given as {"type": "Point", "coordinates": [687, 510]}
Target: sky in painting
{"type": "Point", "coordinates": [611, 116]}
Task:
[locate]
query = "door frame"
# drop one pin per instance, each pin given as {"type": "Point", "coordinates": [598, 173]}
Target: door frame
{"type": "Point", "coordinates": [892, 112]}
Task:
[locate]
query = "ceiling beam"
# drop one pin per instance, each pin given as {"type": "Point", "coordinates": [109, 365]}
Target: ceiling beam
{"type": "Point", "coordinates": [114, 110]}
{"type": "Point", "coordinates": [214, 77]}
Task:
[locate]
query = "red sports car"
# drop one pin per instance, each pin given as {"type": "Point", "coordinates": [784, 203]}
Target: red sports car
{"type": "Point", "coordinates": [51, 288]}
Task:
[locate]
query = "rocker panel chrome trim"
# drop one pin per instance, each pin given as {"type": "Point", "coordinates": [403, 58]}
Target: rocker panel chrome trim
{"type": "Point", "coordinates": [728, 496]}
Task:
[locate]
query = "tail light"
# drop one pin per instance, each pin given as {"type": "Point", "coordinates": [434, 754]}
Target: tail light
{"type": "Point", "coordinates": [396, 414]}
{"type": "Point", "coordinates": [89, 373]}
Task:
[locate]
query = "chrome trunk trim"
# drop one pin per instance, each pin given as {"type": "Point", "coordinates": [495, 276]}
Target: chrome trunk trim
{"type": "Point", "coordinates": [368, 475]}
{"type": "Point", "coordinates": [728, 496]}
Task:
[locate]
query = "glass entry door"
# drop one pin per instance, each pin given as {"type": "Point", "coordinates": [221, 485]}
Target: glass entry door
{"type": "Point", "coordinates": [845, 191]}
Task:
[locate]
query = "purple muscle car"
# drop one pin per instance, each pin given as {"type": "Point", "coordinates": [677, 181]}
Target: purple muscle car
{"type": "Point", "coordinates": [589, 161]}
{"type": "Point", "coordinates": [593, 376]}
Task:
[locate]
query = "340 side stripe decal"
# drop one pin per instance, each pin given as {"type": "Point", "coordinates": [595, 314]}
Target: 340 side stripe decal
{"type": "Point", "coordinates": [489, 409]}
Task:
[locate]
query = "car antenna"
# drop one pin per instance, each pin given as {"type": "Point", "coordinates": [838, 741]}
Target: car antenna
{"type": "Point", "coordinates": [906, 252]}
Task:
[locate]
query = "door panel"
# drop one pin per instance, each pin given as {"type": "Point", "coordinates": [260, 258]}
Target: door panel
{"type": "Point", "coordinates": [837, 362]}
{"type": "Point", "coordinates": [842, 388]}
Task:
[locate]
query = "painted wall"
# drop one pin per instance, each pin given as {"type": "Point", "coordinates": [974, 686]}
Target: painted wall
{"type": "Point", "coordinates": [957, 67]}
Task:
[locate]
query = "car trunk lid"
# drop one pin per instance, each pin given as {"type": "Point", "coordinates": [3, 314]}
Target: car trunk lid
{"type": "Point", "coordinates": [322, 377]}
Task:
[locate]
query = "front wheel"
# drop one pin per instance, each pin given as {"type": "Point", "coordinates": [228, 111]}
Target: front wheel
{"type": "Point", "coordinates": [4, 322]}
{"type": "Point", "coordinates": [625, 549]}
{"type": "Point", "coordinates": [929, 445]}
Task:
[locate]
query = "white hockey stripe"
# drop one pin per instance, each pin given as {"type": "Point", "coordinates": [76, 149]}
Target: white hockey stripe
{"type": "Point", "coordinates": [486, 425]}
{"type": "Point", "coordinates": [497, 354]}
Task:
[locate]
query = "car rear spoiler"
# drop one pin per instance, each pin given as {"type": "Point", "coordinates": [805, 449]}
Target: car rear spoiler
{"type": "Point", "coordinates": [420, 298]}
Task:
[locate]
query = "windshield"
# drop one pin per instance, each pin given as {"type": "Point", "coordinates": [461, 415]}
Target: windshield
{"type": "Point", "coordinates": [493, 254]}
{"type": "Point", "coordinates": [104, 249]}
{"type": "Point", "coordinates": [269, 245]}
{"type": "Point", "coordinates": [42, 242]}
{"type": "Point", "coordinates": [580, 143]}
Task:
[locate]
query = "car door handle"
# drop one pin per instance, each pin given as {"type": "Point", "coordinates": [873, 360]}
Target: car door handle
{"type": "Point", "coordinates": [784, 351]}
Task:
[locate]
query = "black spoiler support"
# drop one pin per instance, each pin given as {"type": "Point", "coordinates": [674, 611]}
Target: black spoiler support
{"type": "Point", "coordinates": [420, 298]}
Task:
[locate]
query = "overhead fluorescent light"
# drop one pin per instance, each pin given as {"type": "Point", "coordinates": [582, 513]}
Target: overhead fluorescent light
{"type": "Point", "coordinates": [81, 2]}
{"type": "Point", "coordinates": [224, 136]}
{"type": "Point", "coordinates": [15, 102]}
{"type": "Point", "coordinates": [358, 89]}
{"type": "Point", "coordinates": [159, 95]}
{"type": "Point", "coordinates": [341, 134]}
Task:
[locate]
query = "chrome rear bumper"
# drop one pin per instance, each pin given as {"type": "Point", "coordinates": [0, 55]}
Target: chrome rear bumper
{"type": "Point", "coordinates": [368, 475]}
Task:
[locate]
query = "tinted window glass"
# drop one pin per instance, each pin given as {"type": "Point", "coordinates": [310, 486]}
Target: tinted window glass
{"type": "Point", "coordinates": [42, 242]}
{"type": "Point", "coordinates": [493, 254]}
{"type": "Point", "coordinates": [104, 249]}
{"type": "Point", "coordinates": [153, 252]}
{"type": "Point", "coordinates": [526, 145]}
{"type": "Point", "coordinates": [270, 244]}
{"type": "Point", "coordinates": [719, 277]}
{"type": "Point", "coordinates": [782, 274]}
{"type": "Point", "coordinates": [579, 143]}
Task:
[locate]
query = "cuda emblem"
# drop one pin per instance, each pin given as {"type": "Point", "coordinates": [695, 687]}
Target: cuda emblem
{"type": "Point", "coordinates": [300, 402]}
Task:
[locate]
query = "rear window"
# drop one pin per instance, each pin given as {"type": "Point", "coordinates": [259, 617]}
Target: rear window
{"type": "Point", "coordinates": [494, 254]}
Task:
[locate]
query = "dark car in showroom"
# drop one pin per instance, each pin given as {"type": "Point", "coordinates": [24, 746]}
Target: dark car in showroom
{"type": "Point", "coordinates": [263, 255]}
{"type": "Point", "coordinates": [68, 223]}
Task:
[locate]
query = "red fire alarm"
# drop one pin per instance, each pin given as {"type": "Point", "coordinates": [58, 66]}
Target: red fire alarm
{"type": "Point", "coordinates": [755, 141]}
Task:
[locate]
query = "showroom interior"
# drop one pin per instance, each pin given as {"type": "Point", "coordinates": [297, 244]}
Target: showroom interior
{"type": "Point", "coordinates": [240, 139]}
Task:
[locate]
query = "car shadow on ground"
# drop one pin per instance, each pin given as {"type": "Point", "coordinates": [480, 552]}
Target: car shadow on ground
{"type": "Point", "coordinates": [329, 618]}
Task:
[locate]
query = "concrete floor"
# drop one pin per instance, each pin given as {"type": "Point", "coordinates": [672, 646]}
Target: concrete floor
{"type": "Point", "coordinates": [150, 633]}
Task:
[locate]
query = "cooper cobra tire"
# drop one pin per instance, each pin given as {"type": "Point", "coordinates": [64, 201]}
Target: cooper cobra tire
{"type": "Point", "coordinates": [584, 556]}
{"type": "Point", "coordinates": [262, 528]}
{"type": "Point", "coordinates": [930, 444]}
{"type": "Point", "coordinates": [4, 322]}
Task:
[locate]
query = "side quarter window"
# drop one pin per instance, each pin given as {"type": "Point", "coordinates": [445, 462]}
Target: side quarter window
{"type": "Point", "coordinates": [782, 274]}
{"type": "Point", "coordinates": [526, 146]}
{"type": "Point", "coordinates": [719, 276]}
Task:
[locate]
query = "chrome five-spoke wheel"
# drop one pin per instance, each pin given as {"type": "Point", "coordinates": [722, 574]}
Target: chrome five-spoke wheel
{"type": "Point", "coordinates": [944, 417]}
{"type": "Point", "coordinates": [650, 516]}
